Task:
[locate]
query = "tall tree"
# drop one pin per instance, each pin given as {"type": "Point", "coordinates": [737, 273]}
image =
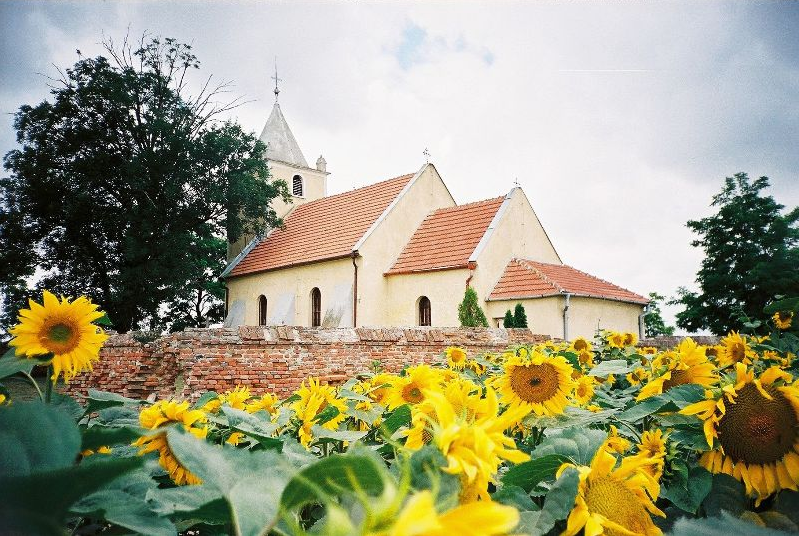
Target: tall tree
{"type": "Point", "coordinates": [655, 325]}
{"type": "Point", "coordinates": [126, 188]}
{"type": "Point", "coordinates": [469, 312]}
{"type": "Point", "coordinates": [751, 256]}
{"type": "Point", "coordinates": [519, 316]}
{"type": "Point", "coordinates": [507, 322]}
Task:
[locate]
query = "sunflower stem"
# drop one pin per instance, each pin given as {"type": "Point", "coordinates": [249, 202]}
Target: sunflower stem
{"type": "Point", "coordinates": [48, 392]}
{"type": "Point", "coordinates": [35, 384]}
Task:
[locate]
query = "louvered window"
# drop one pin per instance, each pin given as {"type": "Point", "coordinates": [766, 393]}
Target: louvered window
{"type": "Point", "coordinates": [296, 186]}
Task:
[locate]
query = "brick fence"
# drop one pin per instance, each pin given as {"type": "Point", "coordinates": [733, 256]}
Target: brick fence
{"type": "Point", "coordinates": [276, 359]}
{"type": "Point", "coordinates": [670, 341]}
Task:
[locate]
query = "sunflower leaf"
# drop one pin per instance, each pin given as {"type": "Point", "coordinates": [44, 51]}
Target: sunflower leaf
{"type": "Point", "coordinates": [11, 364]}
{"type": "Point", "coordinates": [557, 506]}
{"type": "Point", "coordinates": [256, 425]}
{"type": "Point", "coordinates": [612, 366]}
{"type": "Point", "coordinates": [720, 526]}
{"type": "Point", "coordinates": [327, 414]}
{"type": "Point", "coordinates": [726, 494]}
{"type": "Point", "coordinates": [528, 475]}
{"type": "Point", "coordinates": [100, 435]}
{"type": "Point", "coordinates": [688, 494]}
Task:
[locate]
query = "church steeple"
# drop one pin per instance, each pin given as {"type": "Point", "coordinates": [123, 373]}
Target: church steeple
{"type": "Point", "coordinates": [280, 142]}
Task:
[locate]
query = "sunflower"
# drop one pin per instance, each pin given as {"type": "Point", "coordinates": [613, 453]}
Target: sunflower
{"type": "Point", "coordinates": [783, 319]}
{"type": "Point", "coordinates": [409, 389]}
{"type": "Point", "coordinates": [614, 501]}
{"type": "Point", "coordinates": [63, 329]}
{"type": "Point", "coordinates": [475, 449]}
{"type": "Point", "coordinates": [465, 399]}
{"type": "Point", "coordinates": [615, 442]}
{"type": "Point", "coordinates": [237, 398]}
{"type": "Point", "coordinates": [419, 518]}
{"type": "Point", "coordinates": [584, 390]}
{"type": "Point", "coordinates": [541, 383]}
{"type": "Point", "coordinates": [630, 339]}
{"type": "Point", "coordinates": [476, 367]}
{"type": "Point", "coordinates": [637, 376]}
{"type": "Point", "coordinates": [652, 447]}
{"type": "Point", "coordinates": [456, 357]}
{"type": "Point", "coordinates": [268, 402]}
{"type": "Point", "coordinates": [615, 339]}
{"type": "Point", "coordinates": [752, 430]}
{"type": "Point", "coordinates": [156, 417]}
{"type": "Point", "coordinates": [313, 399]}
{"type": "Point", "coordinates": [580, 345]}
{"type": "Point", "coordinates": [734, 349]}
{"type": "Point", "coordinates": [688, 363]}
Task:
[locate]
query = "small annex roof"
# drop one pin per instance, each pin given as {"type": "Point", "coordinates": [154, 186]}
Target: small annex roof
{"type": "Point", "coordinates": [280, 142]}
{"type": "Point", "coordinates": [447, 238]}
{"type": "Point", "coordinates": [530, 279]}
{"type": "Point", "coordinates": [325, 229]}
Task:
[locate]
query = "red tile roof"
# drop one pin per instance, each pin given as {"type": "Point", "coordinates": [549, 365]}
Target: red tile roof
{"type": "Point", "coordinates": [324, 229]}
{"type": "Point", "coordinates": [446, 238]}
{"type": "Point", "coordinates": [529, 279]}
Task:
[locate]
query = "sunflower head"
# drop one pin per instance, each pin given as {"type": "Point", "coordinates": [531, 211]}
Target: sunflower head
{"type": "Point", "coordinates": [540, 383]}
{"type": "Point", "coordinates": [615, 339]}
{"type": "Point", "coordinates": [783, 319]}
{"type": "Point", "coordinates": [734, 348]}
{"type": "Point", "coordinates": [63, 329]}
{"type": "Point", "coordinates": [313, 399]}
{"type": "Point", "coordinates": [456, 357]}
{"type": "Point", "coordinates": [237, 398]}
{"type": "Point", "coordinates": [410, 389]}
{"type": "Point", "coordinates": [268, 402]}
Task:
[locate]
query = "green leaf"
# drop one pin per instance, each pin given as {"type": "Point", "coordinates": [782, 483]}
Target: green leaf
{"type": "Point", "coordinates": [327, 414]}
{"type": "Point", "coordinates": [528, 475]}
{"type": "Point", "coordinates": [398, 418]}
{"type": "Point", "coordinates": [42, 499]}
{"type": "Point", "coordinates": [332, 476]}
{"type": "Point", "coordinates": [787, 502]}
{"type": "Point", "coordinates": [97, 400]}
{"type": "Point", "coordinates": [726, 525]}
{"type": "Point", "coordinates": [426, 466]}
{"type": "Point", "coordinates": [34, 438]}
{"type": "Point", "coordinates": [674, 399]}
{"type": "Point", "coordinates": [339, 435]}
{"type": "Point", "coordinates": [570, 418]}
{"type": "Point", "coordinates": [104, 321]}
{"type": "Point", "coordinates": [205, 398]}
{"type": "Point", "coordinates": [787, 304]}
{"type": "Point", "coordinates": [688, 494]}
{"type": "Point", "coordinates": [612, 366]}
{"type": "Point", "coordinates": [514, 496]}
{"type": "Point", "coordinates": [256, 425]}
{"type": "Point", "coordinates": [557, 506]}
{"type": "Point", "coordinates": [10, 364]}
{"type": "Point", "coordinates": [201, 503]}
{"type": "Point", "coordinates": [726, 494]}
{"type": "Point", "coordinates": [578, 444]}
{"type": "Point", "coordinates": [100, 435]}
{"type": "Point", "coordinates": [351, 395]}
{"type": "Point", "coordinates": [250, 481]}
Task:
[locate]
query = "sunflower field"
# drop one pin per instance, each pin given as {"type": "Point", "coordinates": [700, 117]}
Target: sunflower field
{"type": "Point", "coordinates": [579, 437]}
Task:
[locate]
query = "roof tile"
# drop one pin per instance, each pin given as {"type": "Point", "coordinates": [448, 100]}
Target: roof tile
{"type": "Point", "coordinates": [446, 238]}
{"type": "Point", "coordinates": [525, 278]}
{"type": "Point", "coordinates": [324, 229]}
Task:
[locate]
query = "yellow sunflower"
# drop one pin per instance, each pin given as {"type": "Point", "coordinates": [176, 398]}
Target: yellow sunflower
{"type": "Point", "coordinates": [584, 390]}
{"type": "Point", "coordinates": [381, 387]}
{"type": "Point", "coordinates": [456, 357]}
{"type": "Point", "coordinates": [638, 375]}
{"type": "Point", "coordinates": [540, 383]}
{"type": "Point", "coordinates": [752, 430]}
{"type": "Point", "coordinates": [653, 448]}
{"type": "Point", "coordinates": [237, 398]}
{"type": "Point", "coordinates": [267, 402]}
{"type": "Point", "coordinates": [159, 415]}
{"type": "Point", "coordinates": [409, 389]}
{"type": "Point", "coordinates": [475, 449]}
{"type": "Point", "coordinates": [688, 363]}
{"type": "Point", "coordinates": [314, 398]}
{"type": "Point", "coordinates": [735, 349]}
{"type": "Point", "coordinates": [419, 518]}
{"type": "Point", "coordinates": [467, 403]}
{"type": "Point", "coordinates": [783, 319]}
{"type": "Point", "coordinates": [630, 339]}
{"type": "Point", "coordinates": [61, 328]}
{"type": "Point", "coordinates": [614, 501]}
{"type": "Point", "coordinates": [476, 367]}
{"type": "Point", "coordinates": [615, 339]}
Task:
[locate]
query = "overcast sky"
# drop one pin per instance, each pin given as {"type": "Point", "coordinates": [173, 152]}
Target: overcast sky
{"type": "Point", "coordinates": [620, 120]}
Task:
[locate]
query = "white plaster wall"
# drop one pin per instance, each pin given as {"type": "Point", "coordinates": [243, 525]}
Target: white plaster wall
{"type": "Point", "coordinates": [314, 185]}
{"type": "Point", "coordinates": [544, 315]}
{"type": "Point", "coordinates": [443, 288]}
{"type": "Point", "coordinates": [376, 302]}
{"type": "Point", "coordinates": [288, 294]}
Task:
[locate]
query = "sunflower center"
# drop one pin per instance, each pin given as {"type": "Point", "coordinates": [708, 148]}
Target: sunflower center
{"type": "Point", "coordinates": [580, 345]}
{"type": "Point", "coordinates": [756, 430]}
{"type": "Point", "coordinates": [678, 377]}
{"type": "Point", "coordinates": [615, 501]}
{"type": "Point", "coordinates": [534, 383]}
{"type": "Point", "coordinates": [738, 351]}
{"type": "Point", "coordinates": [60, 337]}
{"type": "Point", "coordinates": [411, 393]}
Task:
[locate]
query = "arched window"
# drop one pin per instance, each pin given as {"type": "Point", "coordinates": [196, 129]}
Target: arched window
{"type": "Point", "coordinates": [261, 310]}
{"type": "Point", "coordinates": [296, 186]}
{"type": "Point", "coordinates": [316, 308]}
{"type": "Point", "coordinates": [424, 311]}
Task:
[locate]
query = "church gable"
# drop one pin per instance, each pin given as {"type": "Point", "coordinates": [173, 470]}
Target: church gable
{"type": "Point", "coordinates": [326, 229]}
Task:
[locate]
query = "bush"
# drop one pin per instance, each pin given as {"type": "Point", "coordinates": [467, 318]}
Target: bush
{"type": "Point", "coordinates": [507, 322]}
{"type": "Point", "coordinates": [519, 316]}
{"type": "Point", "coordinates": [470, 314]}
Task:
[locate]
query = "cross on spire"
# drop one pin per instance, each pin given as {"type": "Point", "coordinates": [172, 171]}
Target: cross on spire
{"type": "Point", "coordinates": [426, 154]}
{"type": "Point", "coordinates": [276, 79]}
{"type": "Point", "coordinates": [516, 182]}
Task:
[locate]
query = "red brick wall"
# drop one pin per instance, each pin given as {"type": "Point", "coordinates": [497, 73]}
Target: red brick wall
{"type": "Point", "coordinates": [277, 359]}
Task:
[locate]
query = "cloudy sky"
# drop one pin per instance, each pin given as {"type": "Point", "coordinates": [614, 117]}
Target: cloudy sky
{"type": "Point", "coordinates": [619, 119]}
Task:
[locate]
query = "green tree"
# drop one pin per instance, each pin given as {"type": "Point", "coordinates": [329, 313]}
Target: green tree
{"type": "Point", "coordinates": [125, 189]}
{"type": "Point", "coordinates": [469, 312]}
{"type": "Point", "coordinates": [519, 316]}
{"type": "Point", "coordinates": [655, 325]}
{"type": "Point", "coordinates": [507, 322]}
{"type": "Point", "coordinates": [751, 256]}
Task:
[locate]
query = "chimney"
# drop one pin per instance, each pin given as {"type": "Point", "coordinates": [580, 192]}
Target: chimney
{"type": "Point", "coordinates": [321, 164]}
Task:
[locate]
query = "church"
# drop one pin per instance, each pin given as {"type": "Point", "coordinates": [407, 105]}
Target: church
{"type": "Point", "coordinates": [401, 252]}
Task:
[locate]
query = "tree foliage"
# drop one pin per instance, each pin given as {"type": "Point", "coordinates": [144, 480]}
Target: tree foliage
{"type": "Point", "coordinates": [751, 256]}
{"type": "Point", "coordinates": [655, 325]}
{"type": "Point", "coordinates": [507, 322]}
{"type": "Point", "coordinates": [519, 316]}
{"type": "Point", "coordinates": [126, 188]}
{"type": "Point", "coordinates": [469, 312]}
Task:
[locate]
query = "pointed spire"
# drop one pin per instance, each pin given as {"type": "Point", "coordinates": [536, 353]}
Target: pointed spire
{"type": "Point", "coordinates": [280, 142]}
